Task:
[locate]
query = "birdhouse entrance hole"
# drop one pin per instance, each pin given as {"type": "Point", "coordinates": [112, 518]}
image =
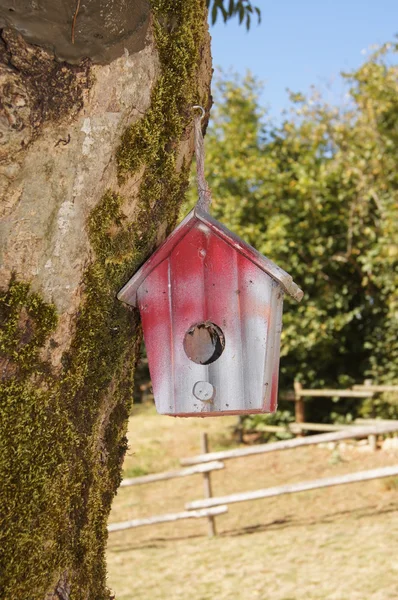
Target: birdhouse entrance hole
{"type": "Point", "coordinates": [204, 343]}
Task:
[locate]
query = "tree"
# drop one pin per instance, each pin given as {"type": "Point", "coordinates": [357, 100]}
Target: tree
{"type": "Point", "coordinates": [243, 9]}
{"type": "Point", "coordinates": [95, 147]}
{"type": "Point", "coordinates": [319, 195]}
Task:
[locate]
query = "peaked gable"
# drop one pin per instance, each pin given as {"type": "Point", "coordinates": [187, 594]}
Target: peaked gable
{"type": "Point", "coordinates": [128, 293]}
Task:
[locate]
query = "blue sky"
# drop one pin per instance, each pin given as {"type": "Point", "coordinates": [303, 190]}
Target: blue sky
{"type": "Point", "coordinates": [304, 42]}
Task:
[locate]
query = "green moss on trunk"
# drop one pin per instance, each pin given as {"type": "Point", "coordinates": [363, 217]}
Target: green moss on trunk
{"type": "Point", "coordinates": [62, 440]}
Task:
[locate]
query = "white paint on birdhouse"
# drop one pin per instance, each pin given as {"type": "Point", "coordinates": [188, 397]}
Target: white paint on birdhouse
{"type": "Point", "coordinates": [211, 309]}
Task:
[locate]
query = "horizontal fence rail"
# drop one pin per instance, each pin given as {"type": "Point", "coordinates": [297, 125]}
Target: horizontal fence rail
{"type": "Point", "coordinates": [320, 426]}
{"type": "Point", "coordinates": [206, 462]}
{"type": "Point", "coordinates": [353, 432]}
{"type": "Point", "coordinates": [335, 393]}
{"type": "Point", "coordinates": [377, 421]}
{"type": "Point", "coordinates": [203, 468]}
{"type": "Point", "coordinates": [376, 388]}
{"type": "Point", "coordinates": [169, 518]}
{"type": "Point", "coordinates": [365, 390]}
{"type": "Point", "coordinates": [299, 427]}
{"type": "Point", "coordinates": [295, 487]}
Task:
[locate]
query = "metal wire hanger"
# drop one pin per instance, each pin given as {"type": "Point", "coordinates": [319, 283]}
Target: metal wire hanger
{"type": "Point", "coordinates": [204, 192]}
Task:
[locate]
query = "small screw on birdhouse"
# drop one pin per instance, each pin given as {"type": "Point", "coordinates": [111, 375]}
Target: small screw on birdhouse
{"type": "Point", "coordinates": [211, 310]}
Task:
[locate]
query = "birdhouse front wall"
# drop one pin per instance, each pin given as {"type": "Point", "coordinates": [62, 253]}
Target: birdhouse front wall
{"type": "Point", "coordinates": [207, 280]}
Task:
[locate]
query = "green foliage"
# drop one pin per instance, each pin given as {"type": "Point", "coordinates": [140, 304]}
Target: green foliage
{"type": "Point", "coordinates": [258, 423]}
{"type": "Point", "coordinates": [244, 9]}
{"type": "Point", "coordinates": [319, 196]}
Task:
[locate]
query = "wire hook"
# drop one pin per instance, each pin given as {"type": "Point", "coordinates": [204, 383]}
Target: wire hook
{"type": "Point", "coordinates": [200, 108]}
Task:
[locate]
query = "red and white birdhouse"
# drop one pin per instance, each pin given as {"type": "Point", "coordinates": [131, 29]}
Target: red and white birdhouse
{"type": "Point", "coordinates": [211, 309]}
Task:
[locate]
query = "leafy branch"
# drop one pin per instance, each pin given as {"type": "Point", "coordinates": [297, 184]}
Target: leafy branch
{"type": "Point", "coordinates": [244, 9]}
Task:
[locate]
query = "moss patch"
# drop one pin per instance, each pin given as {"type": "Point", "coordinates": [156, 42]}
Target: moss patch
{"type": "Point", "coordinates": [64, 440]}
{"type": "Point", "coordinates": [152, 141]}
{"type": "Point", "coordinates": [31, 459]}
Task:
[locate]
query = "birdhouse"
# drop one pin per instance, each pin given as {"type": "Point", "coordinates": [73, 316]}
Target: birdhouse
{"type": "Point", "coordinates": [211, 309]}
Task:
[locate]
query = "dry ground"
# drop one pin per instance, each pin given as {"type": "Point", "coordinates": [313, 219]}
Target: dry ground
{"type": "Point", "coordinates": [339, 543]}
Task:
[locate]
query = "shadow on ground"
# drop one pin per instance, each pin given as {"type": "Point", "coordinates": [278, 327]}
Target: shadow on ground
{"type": "Point", "coordinates": [361, 513]}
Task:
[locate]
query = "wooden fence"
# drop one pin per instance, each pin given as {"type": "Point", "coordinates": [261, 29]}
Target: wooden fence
{"type": "Point", "coordinates": [191, 514]}
{"type": "Point", "coordinates": [300, 425]}
{"type": "Point", "coordinates": [346, 434]}
{"type": "Point", "coordinates": [365, 390]}
{"type": "Point", "coordinates": [205, 463]}
{"type": "Point", "coordinates": [203, 469]}
{"type": "Point", "coordinates": [302, 486]}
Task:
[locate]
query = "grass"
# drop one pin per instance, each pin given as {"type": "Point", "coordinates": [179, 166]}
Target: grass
{"type": "Point", "coordinates": [340, 543]}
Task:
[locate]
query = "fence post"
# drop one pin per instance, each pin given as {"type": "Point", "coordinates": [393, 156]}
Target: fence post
{"type": "Point", "coordinates": [372, 439]}
{"type": "Point", "coordinates": [207, 487]}
{"type": "Point", "coordinates": [299, 408]}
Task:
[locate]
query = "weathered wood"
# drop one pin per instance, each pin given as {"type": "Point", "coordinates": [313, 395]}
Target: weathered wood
{"type": "Point", "coordinates": [374, 421]}
{"type": "Point", "coordinates": [299, 407]}
{"type": "Point", "coordinates": [354, 432]}
{"type": "Point", "coordinates": [334, 393]}
{"type": "Point", "coordinates": [320, 426]}
{"type": "Point", "coordinates": [297, 427]}
{"type": "Point", "coordinates": [207, 486]}
{"type": "Point", "coordinates": [357, 391]}
{"type": "Point", "coordinates": [376, 388]}
{"type": "Point", "coordinates": [205, 468]}
{"type": "Point", "coordinates": [294, 427]}
{"type": "Point", "coordinates": [372, 440]}
{"type": "Point", "coordinates": [296, 487]}
{"type": "Point", "coordinates": [168, 518]}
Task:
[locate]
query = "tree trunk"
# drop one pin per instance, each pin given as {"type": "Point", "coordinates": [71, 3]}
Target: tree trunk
{"type": "Point", "coordinates": [96, 141]}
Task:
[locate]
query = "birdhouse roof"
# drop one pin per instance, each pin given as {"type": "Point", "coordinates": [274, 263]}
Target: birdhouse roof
{"type": "Point", "coordinates": [128, 293]}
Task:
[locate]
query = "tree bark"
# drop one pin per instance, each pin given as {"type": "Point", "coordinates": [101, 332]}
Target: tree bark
{"type": "Point", "coordinates": [96, 141]}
